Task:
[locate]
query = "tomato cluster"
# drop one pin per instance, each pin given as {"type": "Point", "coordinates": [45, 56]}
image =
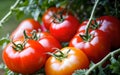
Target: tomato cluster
{"type": "Point", "coordinates": [34, 46]}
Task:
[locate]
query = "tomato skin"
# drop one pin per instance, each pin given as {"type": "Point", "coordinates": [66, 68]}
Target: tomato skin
{"type": "Point", "coordinates": [48, 42]}
{"type": "Point", "coordinates": [28, 25]}
{"type": "Point", "coordinates": [65, 30]}
{"type": "Point", "coordinates": [27, 61]}
{"type": "Point", "coordinates": [111, 25]}
{"type": "Point", "coordinates": [96, 48]}
{"type": "Point", "coordinates": [48, 16]}
{"type": "Point", "coordinates": [82, 26]}
{"type": "Point", "coordinates": [76, 59]}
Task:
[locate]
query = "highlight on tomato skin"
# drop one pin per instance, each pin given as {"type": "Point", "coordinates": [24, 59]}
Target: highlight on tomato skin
{"type": "Point", "coordinates": [26, 60]}
{"type": "Point", "coordinates": [48, 42]}
{"type": "Point", "coordinates": [111, 25]}
{"type": "Point", "coordinates": [28, 25]}
{"type": "Point", "coordinates": [66, 62]}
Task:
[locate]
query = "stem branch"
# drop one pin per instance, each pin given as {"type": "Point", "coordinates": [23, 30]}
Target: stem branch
{"type": "Point", "coordinates": [102, 61]}
{"type": "Point", "coordinates": [91, 16]}
{"type": "Point", "coordinates": [9, 13]}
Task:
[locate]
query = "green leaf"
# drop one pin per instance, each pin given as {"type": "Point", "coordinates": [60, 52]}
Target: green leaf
{"type": "Point", "coordinates": [101, 71]}
{"type": "Point", "coordinates": [79, 72]}
{"type": "Point", "coordinates": [4, 41]}
{"type": "Point", "coordinates": [115, 66]}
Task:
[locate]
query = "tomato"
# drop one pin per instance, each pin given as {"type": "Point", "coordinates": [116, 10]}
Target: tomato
{"type": "Point", "coordinates": [72, 59]}
{"type": "Point", "coordinates": [65, 30]}
{"type": "Point", "coordinates": [48, 16]}
{"type": "Point", "coordinates": [97, 47]}
{"type": "Point", "coordinates": [28, 25]}
{"type": "Point", "coordinates": [108, 24]}
{"type": "Point", "coordinates": [26, 60]}
{"type": "Point", "coordinates": [111, 25]}
{"type": "Point", "coordinates": [48, 42]}
{"type": "Point", "coordinates": [82, 26]}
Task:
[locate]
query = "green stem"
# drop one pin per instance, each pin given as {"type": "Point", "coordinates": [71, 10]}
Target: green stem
{"type": "Point", "coordinates": [89, 21]}
{"type": "Point", "coordinates": [102, 61]}
{"type": "Point", "coordinates": [9, 13]}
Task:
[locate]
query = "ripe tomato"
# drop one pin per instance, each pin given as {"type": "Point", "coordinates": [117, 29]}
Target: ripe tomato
{"type": "Point", "coordinates": [71, 60]}
{"type": "Point", "coordinates": [111, 25]}
{"type": "Point", "coordinates": [48, 16]}
{"type": "Point", "coordinates": [27, 61]}
{"type": "Point", "coordinates": [65, 30]}
{"type": "Point", "coordinates": [82, 26]}
{"type": "Point", "coordinates": [95, 48]}
{"type": "Point", "coordinates": [48, 42]}
{"type": "Point", "coordinates": [28, 25]}
{"type": "Point", "coordinates": [108, 24]}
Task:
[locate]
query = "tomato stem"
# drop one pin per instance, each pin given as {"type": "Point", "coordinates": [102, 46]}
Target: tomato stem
{"type": "Point", "coordinates": [33, 37]}
{"type": "Point", "coordinates": [59, 55]}
{"type": "Point", "coordinates": [58, 17]}
{"type": "Point", "coordinates": [111, 54]}
{"type": "Point", "coordinates": [19, 46]}
{"type": "Point", "coordinates": [87, 36]}
{"type": "Point", "coordinates": [95, 25]}
{"type": "Point", "coordinates": [9, 13]}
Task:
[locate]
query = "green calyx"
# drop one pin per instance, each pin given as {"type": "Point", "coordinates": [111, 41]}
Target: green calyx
{"type": "Point", "coordinates": [33, 37]}
{"type": "Point", "coordinates": [58, 17]}
{"type": "Point", "coordinates": [86, 38]}
{"type": "Point", "coordinates": [19, 46]}
{"type": "Point", "coordinates": [95, 25]}
{"type": "Point", "coordinates": [59, 55]}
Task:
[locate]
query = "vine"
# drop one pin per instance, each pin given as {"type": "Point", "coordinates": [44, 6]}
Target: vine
{"type": "Point", "coordinates": [9, 13]}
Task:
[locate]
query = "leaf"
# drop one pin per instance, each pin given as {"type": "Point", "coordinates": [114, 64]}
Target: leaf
{"type": "Point", "coordinates": [79, 72]}
{"type": "Point", "coordinates": [115, 65]}
{"type": "Point", "coordinates": [101, 71]}
{"type": "Point", "coordinates": [4, 41]}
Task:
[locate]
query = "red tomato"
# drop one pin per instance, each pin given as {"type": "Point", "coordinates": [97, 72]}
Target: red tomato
{"type": "Point", "coordinates": [73, 60]}
{"type": "Point", "coordinates": [28, 25]}
{"type": "Point", "coordinates": [65, 30]}
{"type": "Point", "coordinates": [27, 61]}
{"type": "Point", "coordinates": [95, 48]}
{"type": "Point", "coordinates": [48, 42]}
{"type": "Point", "coordinates": [48, 16]}
{"type": "Point", "coordinates": [108, 24]}
{"type": "Point", "coordinates": [111, 26]}
{"type": "Point", "coordinates": [82, 26]}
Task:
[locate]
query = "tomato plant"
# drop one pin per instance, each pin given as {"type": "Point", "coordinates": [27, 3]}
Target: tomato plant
{"type": "Point", "coordinates": [80, 9]}
{"type": "Point", "coordinates": [108, 24]}
{"type": "Point", "coordinates": [66, 61]}
{"type": "Point", "coordinates": [24, 58]}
